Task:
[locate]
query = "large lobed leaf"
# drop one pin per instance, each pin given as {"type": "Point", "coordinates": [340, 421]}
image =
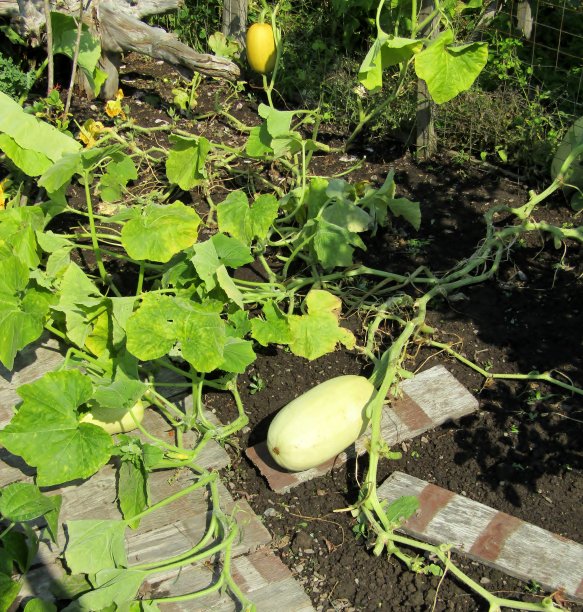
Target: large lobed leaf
{"type": "Point", "coordinates": [449, 70]}
{"type": "Point", "coordinates": [160, 232]}
{"type": "Point", "coordinates": [185, 165]}
{"type": "Point", "coordinates": [309, 335]}
{"type": "Point", "coordinates": [246, 222]}
{"type": "Point", "coordinates": [47, 433]}
{"type": "Point", "coordinates": [23, 501]}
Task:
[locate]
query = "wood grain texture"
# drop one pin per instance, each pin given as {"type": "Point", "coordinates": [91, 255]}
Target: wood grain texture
{"type": "Point", "coordinates": [121, 32]}
{"type": "Point", "coordinates": [494, 538]}
{"type": "Point", "coordinates": [261, 576]}
{"type": "Point", "coordinates": [428, 400]}
{"type": "Point", "coordinates": [119, 27]}
{"type": "Point", "coordinates": [8, 8]}
{"type": "Point", "coordinates": [30, 363]}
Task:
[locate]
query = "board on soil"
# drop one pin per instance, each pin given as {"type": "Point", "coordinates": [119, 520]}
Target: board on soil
{"type": "Point", "coordinates": [494, 538]}
{"type": "Point", "coordinates": [161, 534]}
{"type": "Point", "coordinates": [426, 401]}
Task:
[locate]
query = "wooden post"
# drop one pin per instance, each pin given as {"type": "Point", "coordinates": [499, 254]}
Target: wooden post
{"type": "Point", "coordinates": [235, 20]}
{"type": "Point", "coordinates": [426, 142]}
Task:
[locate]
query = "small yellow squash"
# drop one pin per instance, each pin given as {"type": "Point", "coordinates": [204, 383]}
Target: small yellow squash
{"type": "Point", "coordinates": [319, 424]}
{"type": "Point", "coordinates": [261, 49]}
{"type": "Point", "coordinates": [115, 420]}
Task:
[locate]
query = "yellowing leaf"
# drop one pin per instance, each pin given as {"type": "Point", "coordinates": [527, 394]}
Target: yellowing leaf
{"type": "Point", "coordinates": [318, 332]}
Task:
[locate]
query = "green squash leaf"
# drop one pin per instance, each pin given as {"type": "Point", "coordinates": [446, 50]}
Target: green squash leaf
{"type": "Point", "coordinates": [274, 329]}
{"type": "Point", "coordinates": [21, 318]}
{"type": "Point", "coordinates": [230, 251]}
{"type": "Point", "coordinates": [19, 228]}
{"type": "Point", "coordinates": [151, 329]}
{"type": "Point", "coordinates": [30, 133]}
{"type": "Point", "coordinates": [111, 587]}
{"type": "Point", "coordinates": [46, 431]}
{"type": "Point", "coordinates": [346, 214]}
{"type": "Point", "coordinates": [87, 52]}
{"type": "Point", "coordinates": [573, 178]}
{"type": "Point", "coordinates": [185, 164]}
{"type": "Point", "coordinates": [227, 284]}
{"type": "Point", "coordinates": [202, 336]}
{"type": "Point", "coordinates": [245, 222]}
{"type": "Point", "coordinates": [318, 332]}
{"type": "Point", "coordinates": [118, 173]}
{"type": "Point", "coordinates": [23, 501]}
{"type": "Point", "coordinates": [332, 244]}
{"type": "Point", "coordinates": [387, 50]}
{"type": "Point", "coordinates": [32, 163]}
{"type": "Point", "coordinates": [401, 509]}
{"type": "Point", "coordinates": [238, 355]}
{"type": "Point", "coordinates": [160, 232]}
{"type": "Point", "coordinates": [9, 590]}
{"type": "Point", "coordinates": [450, 70]}
{"type": "Point", "coordinates": [81, 301]}
{"type": "Point", "coordinates": [39, 605]}
{"type": "Point", "coordinates": [132, 490]}
{"type": "Point", "coordinates": [259, 142]}
{"type": "Point", "coordinates": [95, 545]}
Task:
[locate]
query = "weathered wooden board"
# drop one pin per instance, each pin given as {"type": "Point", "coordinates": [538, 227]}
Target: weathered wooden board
{"type": "Point", "coordinates": [494, 538]}
{"type": "Point", "coordinates": [31, 363]}
{"type": "Point", "coordinates": [428, 400]}
{"type": "Point", "coordinates": [161, 534]}
{"type": "Point", "coordinates": [44, 356]}
{"type": "Point", "coordinates": [261, 576]}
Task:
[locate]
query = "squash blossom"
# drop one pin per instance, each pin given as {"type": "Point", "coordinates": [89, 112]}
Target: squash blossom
{"type": "Point", "coordinates": [2, 195]}
{"type": "Point", "coordinates": [113, 107]}
{"type": "Point", "coordinates": [89, 130]}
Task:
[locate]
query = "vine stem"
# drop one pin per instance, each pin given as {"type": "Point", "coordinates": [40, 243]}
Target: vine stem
{"type": "Point", "coordinates": [94, 241]}
{"type": "Point", "coordinates": [205, 479]}
{"type": "Point", "coordinates": [535, 376]}
{"type": "Point", "coordinates": [7, 530]}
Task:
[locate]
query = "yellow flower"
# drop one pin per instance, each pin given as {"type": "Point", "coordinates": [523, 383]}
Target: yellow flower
{"type": "Point", "coordinates": [113, 107]}
{"type": "Point", "coordinates": [2, 195]}
{"type": "Point", "coordinates": [89, 130]}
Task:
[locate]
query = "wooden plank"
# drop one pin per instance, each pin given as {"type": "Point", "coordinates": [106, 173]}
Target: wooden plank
{"type": "Point", "coordinates": [261, 575]}
{"type": "Point", "coordinates": [161, 534]}
{"type": "Point", "coordinates": [494, 538]}
{"type": "Point", "coordinates": [427, 400]}
{"type": "Point", "coordinates": [30, 363]}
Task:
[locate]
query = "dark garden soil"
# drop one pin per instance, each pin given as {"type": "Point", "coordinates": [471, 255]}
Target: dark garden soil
{"type": "Point", "coordinates": [519, 453]}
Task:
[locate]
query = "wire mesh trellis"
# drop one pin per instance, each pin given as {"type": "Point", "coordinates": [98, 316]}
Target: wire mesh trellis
{"type": "Point", "coordinates": [531, 90]}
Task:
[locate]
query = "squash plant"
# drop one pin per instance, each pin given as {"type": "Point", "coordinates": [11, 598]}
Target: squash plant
{"type": "Point", "coordinates": [187, 312]}
{"type": "Point", "coordinates": [425, 42]}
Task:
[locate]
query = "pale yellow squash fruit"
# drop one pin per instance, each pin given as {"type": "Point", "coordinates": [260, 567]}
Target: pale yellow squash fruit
{"type": "Point", "coordinates": [319, 424]}
{"type": "Point", "coordinates": [115, 420]}
{"type": "Point", "coordinates": [261, 49]}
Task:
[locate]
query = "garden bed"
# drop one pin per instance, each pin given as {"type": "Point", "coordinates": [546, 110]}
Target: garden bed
{"type": "Point", "coordinates": [519, 453]}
